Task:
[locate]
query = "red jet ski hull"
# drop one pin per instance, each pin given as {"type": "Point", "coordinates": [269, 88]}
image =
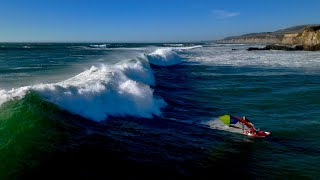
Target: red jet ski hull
{"type": "Point", "coordinates": [257, 133]}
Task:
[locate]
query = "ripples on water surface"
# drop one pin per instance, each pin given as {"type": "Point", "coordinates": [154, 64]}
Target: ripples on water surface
{"type": "Point", "coordinates": [95, 111]}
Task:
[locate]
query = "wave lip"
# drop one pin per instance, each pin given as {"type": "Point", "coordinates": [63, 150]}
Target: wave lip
{"type": "Point", "coordinates": [187, 47]}
{"type": "Point", "coordinates": [173, 45]}
{"type": "Point", "coordinates": [164, 57]}
{"type": "Point", "coordinates": [98, 45]}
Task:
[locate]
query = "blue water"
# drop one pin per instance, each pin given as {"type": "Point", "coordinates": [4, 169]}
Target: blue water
{"type": "Point", "coordinates": [141, 111]}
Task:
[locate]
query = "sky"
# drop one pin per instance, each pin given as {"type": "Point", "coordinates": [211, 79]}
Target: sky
{"type": "Point", "coordinates": [148, 20]}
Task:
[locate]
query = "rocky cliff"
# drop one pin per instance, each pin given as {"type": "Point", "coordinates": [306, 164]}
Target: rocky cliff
{"type": "Point", "coordinates": [310, 38]}
{"type": "Point", "coordinates": [291, 38]}
{"type": "Point", "coordinates": [266, 37]}
{"type": "Point", "coordinates": [306, 36]}
{"type": "Point", "coordinates": [269, 37]}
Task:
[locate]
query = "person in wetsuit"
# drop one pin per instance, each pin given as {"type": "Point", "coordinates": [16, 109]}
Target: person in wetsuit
{"type": "Point", "coordinates": [247, 120]}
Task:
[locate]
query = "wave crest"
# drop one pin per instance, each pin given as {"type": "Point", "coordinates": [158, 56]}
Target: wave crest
{"type": "Point", "coordinates": [119, 90]}
{"type": "Point", "coordinates": [164, 57]}
{"type": "Point", "coordinates": [98, 45]}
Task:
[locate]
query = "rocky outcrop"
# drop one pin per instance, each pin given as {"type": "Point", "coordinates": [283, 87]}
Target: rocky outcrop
{"type": "Point", "coordinates": [308, 40]}
{"type": "Point", "coordinates": [275, 37]}
{"type": "Point", "coordinates": [253, 38]}
{"type": "Point", "coordinates": [306, 37]}
{"type": "Point", "coordinates": [291, 38]}
{"type": "Point", "coordinates": [278, 47]}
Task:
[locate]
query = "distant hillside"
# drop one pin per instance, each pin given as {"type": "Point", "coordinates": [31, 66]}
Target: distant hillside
{"type": "Point", "coordinates": [265, 37]}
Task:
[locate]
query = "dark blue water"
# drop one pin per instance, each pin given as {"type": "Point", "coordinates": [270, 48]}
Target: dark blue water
{"type": "Point", "coordinates": [141, 111]}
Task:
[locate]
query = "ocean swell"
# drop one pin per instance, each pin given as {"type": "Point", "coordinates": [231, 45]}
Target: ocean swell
{"type": "Point", "coordinates": [164, 57]}
{"type": "Point", "coordinates": [122, 89]}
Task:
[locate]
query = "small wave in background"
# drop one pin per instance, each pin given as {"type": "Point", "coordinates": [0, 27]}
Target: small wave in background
{"type": "Point", "coordinates": [149, 110]}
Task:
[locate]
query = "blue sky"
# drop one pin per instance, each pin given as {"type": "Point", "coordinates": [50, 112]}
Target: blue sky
{"type": "Point", "coordinates": [147, 20]}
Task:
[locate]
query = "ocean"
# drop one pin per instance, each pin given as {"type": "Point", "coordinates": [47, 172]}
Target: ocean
{"type": "Point", "coordinates": [150, 110]}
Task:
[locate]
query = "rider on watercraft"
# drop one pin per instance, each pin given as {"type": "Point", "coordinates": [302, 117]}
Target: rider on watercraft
{"type": "Point", "coordinates": [249, 124]}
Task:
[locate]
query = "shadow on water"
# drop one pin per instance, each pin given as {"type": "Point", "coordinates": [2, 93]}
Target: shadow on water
{"type": "Point", "coordinates": [179, 87]}
{"type": "Point", "coordinates": [144, 149]}
{"type": "Point", "coordinates": [41, 141]}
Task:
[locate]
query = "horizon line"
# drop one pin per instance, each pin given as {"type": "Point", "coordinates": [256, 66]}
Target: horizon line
{"type": "Point", "coordinates": [112, 42]}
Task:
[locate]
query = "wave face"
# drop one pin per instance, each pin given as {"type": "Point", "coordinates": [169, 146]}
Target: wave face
{"type": "Point", "coordinates": [119, 90]}
{"type": "Point", "coordinates": [41, 139]}
{"type": "Point", "coordinates": [164, 57]}
{"type": "Point", "coordinates": [122, 89]}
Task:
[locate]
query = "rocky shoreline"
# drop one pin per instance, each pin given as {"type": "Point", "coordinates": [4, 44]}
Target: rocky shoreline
{"type": "Point", "coordinates": [306, 38]}
{"type": "Point", "coordinates": [278, 47]}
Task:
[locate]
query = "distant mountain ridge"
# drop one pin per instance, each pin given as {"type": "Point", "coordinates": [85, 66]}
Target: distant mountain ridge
{"type": "Point", "coordinates": [266, 37]}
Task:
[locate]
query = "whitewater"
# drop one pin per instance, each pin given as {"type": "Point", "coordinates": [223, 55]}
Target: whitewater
{"type": "Point", "coordinates": [150, 110]}
{"type": "Point", "coordinates": [120, 89]}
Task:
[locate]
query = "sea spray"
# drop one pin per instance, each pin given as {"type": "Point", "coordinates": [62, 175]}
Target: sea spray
{"type": "Point", "coordinates": [139, 71]}
{"type": "Point", "coordinates": [168, 56]}
{"type": "Point", "coordinates": [119, 90]}
{"type": "Point", "coordinates": [164, 57]}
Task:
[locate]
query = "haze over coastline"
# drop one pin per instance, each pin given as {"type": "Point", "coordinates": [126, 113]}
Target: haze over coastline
{"type": "Point", "coordinates": [147, 21]}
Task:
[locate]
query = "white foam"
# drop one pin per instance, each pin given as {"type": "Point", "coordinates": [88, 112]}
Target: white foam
{"type": "Point", "coordinates": [217, 124]}
{"type": "Point", "coordinates": [119, 90]}
{"type": "Point", "coordinates": [137, 70]}
{"type": "Point", "coordinates": [13, 94]}
{"type": "Point", "coordinates": [98, 45]}
{"type": "Point", "coordinates": [173, 45]}
{"type": "Point", "coordinates": [187, 48]}
{"type": "Point", "coordinates": [164, 57]}
{"type": "Point", "coordinates": [218, 56]}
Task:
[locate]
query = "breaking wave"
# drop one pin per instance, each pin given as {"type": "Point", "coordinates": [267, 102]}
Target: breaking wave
{"type": "Point", "coordinates": [123, 89]}
{"type": "Point", "coordinates": [98, 45]}
{"type": "Point", "coordinates": [164, 57]}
